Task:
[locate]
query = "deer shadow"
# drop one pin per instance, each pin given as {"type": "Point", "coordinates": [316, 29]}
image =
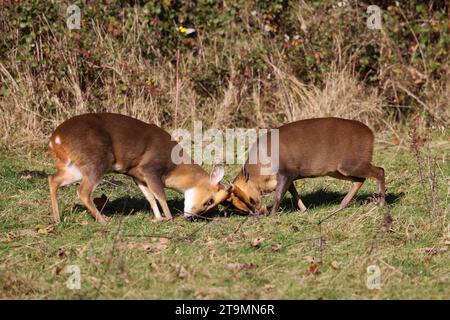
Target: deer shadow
{"type": "Point", "coordinates": [323, 197]}
{"type": "Point", "coordinates": [131, 205]}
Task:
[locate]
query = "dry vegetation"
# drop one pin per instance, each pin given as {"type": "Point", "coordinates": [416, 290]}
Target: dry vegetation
{"type": "Point", "coordinates": [263, 65]}
{"type": "Point", "coordinates": [249, 64]}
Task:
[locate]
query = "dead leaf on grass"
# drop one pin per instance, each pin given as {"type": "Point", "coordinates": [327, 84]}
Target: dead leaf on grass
{"type": "Point", "coordinates": [45, 230]}
{"type": "Point", "coordinates": [62, 253]}
{"type": "Point", "coordinates": [276, 247]}
{"type": "Point", "coordinates": [309, 259]}
{"type": "Point", "coordinates": [30, 174]}
{"type": "Point", "coordinates": [58, 269]}
{"type": "Point", "coordinates": [387, 223]}
{"type": "Point", "coordinates": [210, 242]}
{"type": "Point", "coordinates": [269, 287]}
{"type": "Point", "coordinates": [257, 241]}
{"type": "Point", "coordinates": [162, 245]}
{"type": "Point", "coordinates": [11, 235]}
{"type": "Point", "coordinates": [183, 273]}
{"type": "Point", "coordinates": [335, 265]}
{"type": "Point", "coordinates": [207, 293]}
{"type": "Point", "coordinates": [434, 250]}
{"type": "Point", "coordinates": [83, 223]}
{"type": "Point", "coordinates": [313, 268]}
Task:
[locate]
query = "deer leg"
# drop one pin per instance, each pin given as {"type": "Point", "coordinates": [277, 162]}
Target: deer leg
{"type": "Point", "coordinates": [296, 197]}
{"type": "Point", "coordinates": [355, 187]}
{"type": "Point", "coordinates": [90, 180]}
{"type": "Point", "coordinates": [363, 171]}
{"type": "Point", "coordinates": [62, 178]}
{"type": "Point", "coordinates": [283, 184]}
{"type": "Point", "coordinates": [156, 186]}
{"type": "Point", "coordinates": [151, 199]}
{"type": "Point", "coordinates": [378, 174]}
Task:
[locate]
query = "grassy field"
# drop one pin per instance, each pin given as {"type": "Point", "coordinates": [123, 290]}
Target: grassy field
{"type": "Point", "coordinates": [134, 257]}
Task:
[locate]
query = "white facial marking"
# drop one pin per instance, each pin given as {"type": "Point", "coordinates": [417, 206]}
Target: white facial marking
{"type": "Point", "coordinates": [189, 201]}
{"type": "Point", "coordinates": [58, 140]}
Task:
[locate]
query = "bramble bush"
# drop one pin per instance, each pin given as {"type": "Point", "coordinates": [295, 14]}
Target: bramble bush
{"type": "Point", "coordinates": [248, 63]}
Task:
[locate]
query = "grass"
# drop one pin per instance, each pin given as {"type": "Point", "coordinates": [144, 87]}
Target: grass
{"type": "Point", "coordinates": [134, 257]}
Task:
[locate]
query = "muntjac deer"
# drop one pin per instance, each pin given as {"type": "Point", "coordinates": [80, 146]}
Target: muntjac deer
{"type": "Point", "coordinates": [310, 148]}
{"type": "Point", "coordinates": [88, 146]}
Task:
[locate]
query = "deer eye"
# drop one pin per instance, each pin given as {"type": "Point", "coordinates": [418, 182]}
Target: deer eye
{"type": "Point", "coordinates": [209, 202]}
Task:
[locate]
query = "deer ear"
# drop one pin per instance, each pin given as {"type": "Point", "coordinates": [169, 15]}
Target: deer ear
{"type": "Point", "coordinates": [245, 174]}
{"type": "Point", "coordinates": [217, 175]}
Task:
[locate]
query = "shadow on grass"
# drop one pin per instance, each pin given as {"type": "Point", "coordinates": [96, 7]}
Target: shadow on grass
{"type": "Point", "coordinates": [329, 198]}
{"type": "Point", "coordinates": [131, 205]}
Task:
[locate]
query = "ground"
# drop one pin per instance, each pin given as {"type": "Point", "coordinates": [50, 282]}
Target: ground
{"type": "Point", "coordinates": [283, 256]}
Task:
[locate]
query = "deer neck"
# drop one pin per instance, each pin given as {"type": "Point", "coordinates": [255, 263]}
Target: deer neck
{"type": "Point", "coordinates": [185, 176]}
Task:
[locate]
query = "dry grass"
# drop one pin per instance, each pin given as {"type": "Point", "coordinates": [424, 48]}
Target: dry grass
{"type": "Point", "coordinates": [130, 84]}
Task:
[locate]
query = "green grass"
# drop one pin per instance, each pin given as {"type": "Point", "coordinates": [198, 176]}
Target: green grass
{"type": "Point", "coordinates": [127, 259]}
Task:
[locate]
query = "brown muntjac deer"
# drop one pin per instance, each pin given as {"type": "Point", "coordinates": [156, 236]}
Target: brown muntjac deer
{"type": "Point", "coordinates": [88, 146]}
{"type": "Point", "coordinates": [309, 148]}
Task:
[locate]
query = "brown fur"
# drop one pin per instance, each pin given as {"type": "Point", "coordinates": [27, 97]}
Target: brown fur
{"type": "Point", "coordinates": [98, 143]}
{"type": "Point", "coordinates": [318, 147]}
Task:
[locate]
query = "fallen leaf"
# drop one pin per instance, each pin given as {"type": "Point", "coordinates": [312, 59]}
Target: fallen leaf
{"type": "Point", "coordinates": [309, 259]}
{"type": "Point", "coordinates": [30, 174]}
{"type": "Point", "coordinates": [45, 230]}
{"type": "Point", "coordinates": [183, 273]}
{"type": "Point", "coordinates": [401, 190]}
{"type": "Point", "coordinates": [395, 141]}
{"type": "Point", "coordinates": [276, 247]}
{"type": "Point", "coordinates": [207, 293]}
{"type": "Point", "coordinates": [83, 223]}
{"type": "Point", "coordinates": [95, 281]}
{"type": "Point", "coordinates": [62, 253]}
{"type": "Point", "coordinates": [434, 250]}
{"type": "Point", "coordinates": [80, 251]}
{"type": "Point", "coordinates": [162, 245]}
{"type": "Point", "coordinates": [257, 241]}
{"type": "Point", "coordinates": [269, 287]}
{"type": "Point", "coordinates": [387, 223]}
{"type": "Point", "coordinates": [58, 269]}
{"type": "Point", "coordinates": [313, 268]}
{"type": "Point", "coordinates": [335, 264]}
{"type": "Point", "coordinates": [210, 242]}
{"type": "Point", "coordinates": [11, 235]}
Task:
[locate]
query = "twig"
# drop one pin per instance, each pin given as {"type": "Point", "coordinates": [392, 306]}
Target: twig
{"type": "Point", "coordinates": [329, 216]}
{"type": "Point", "coordinates": [177, 88]}
{"type": "Point", "coordinates": [240, 224]}
{"type": "Point", "coordinates": [423, 104]}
